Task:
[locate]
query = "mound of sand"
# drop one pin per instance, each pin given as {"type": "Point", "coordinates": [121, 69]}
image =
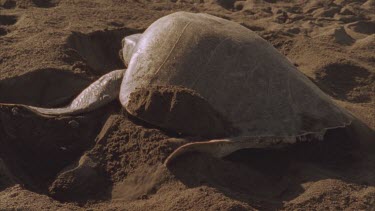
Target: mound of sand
{"type": "Point", "coordinates": [337, 35]}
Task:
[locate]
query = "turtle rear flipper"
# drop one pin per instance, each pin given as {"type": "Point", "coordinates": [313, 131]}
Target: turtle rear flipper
{"type": "Point", "coordinates": [99, 93]}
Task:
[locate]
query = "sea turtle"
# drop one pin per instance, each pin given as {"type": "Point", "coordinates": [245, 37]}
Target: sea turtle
{"type": "Point", "coordinates": [206, 76]}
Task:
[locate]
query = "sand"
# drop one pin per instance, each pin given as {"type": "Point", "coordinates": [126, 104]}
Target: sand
{"type": "Point", "coordinates": [106, 159]}
{"type": "Point", "coordinates": [167, 106]}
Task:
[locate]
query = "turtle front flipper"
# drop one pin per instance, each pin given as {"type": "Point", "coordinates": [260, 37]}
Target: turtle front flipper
{"type": "Point", "coordinates": [99, 93]}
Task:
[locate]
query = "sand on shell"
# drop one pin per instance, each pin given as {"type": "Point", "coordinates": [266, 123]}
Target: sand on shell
{"type": "Point", "coordinates": [180, 110]}
{"type": "Point", "coordinates": [106, 159]}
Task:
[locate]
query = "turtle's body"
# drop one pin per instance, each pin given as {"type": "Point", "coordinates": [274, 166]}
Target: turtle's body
{"type": "Point", "coordinates": [241, 75]}
{"type": "Point", "coordinates": [232, 71]}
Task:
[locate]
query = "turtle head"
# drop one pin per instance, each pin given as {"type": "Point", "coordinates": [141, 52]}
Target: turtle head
{"type": "Point", "coordinates": [128, 46]}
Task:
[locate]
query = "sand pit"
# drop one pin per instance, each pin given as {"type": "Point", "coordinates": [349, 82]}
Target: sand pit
{"type": "Point", "coordinates": [42, 87]}
{"type": "Point", "coordinates": [352, 82]}
{"type": "Point", "coordinates": [105, 159]}
{"type": "Point", "coordinates": [100, 48]}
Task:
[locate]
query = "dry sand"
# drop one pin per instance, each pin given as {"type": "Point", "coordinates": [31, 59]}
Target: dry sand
{"type": "Point", "coordinates": [50, 50]}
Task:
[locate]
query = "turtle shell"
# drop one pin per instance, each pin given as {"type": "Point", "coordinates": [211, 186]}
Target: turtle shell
{"type": "Point", "coordinates": [241, 83]}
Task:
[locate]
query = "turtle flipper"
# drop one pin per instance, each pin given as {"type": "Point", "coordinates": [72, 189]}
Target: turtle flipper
{"type": "Point", "coordinates": [99, 93]}
{"type": "Point", "coordinates": [128, 47]}
{"type": "Point", "coordinates": [222, 147]}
